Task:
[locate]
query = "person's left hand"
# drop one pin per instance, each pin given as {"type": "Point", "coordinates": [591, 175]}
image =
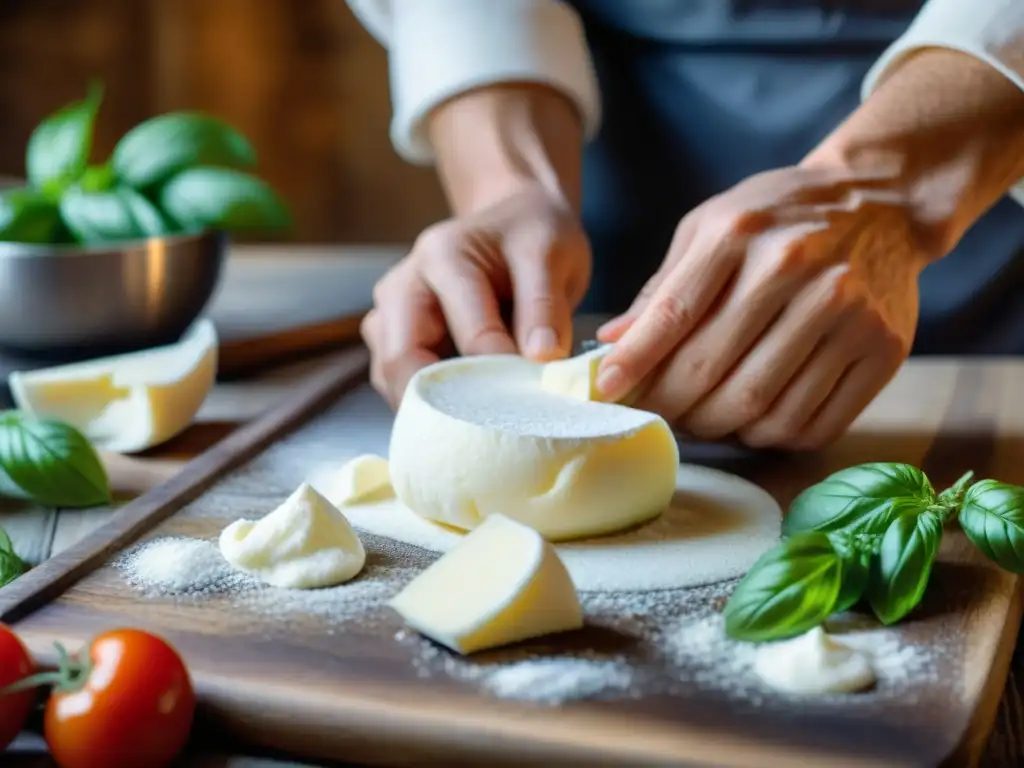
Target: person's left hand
{"type": "Point", "coordinates": [783, 307]}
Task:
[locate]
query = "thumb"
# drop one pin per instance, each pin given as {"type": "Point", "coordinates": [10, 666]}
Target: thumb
{"type": "Point", "coordinates": [542, 311]}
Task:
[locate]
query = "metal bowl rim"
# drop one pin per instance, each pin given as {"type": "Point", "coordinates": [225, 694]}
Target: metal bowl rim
{"type": "Point", "coordinates": [12, 250]}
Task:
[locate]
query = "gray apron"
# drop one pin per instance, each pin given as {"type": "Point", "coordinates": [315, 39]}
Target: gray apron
{"type": "Point", "coordinates": [700, 94]}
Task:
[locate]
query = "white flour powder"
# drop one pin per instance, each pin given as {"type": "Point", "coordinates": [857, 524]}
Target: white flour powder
{"type": "Point", "coordinates": [716, 528]}
{"type": "Point", "coordinates": [553, 681]}
{"type": "Point", "coordinates": [191, 569]}
{"type": "Point", "coordinates": [178, 566]}
{"type": "Point", "coordinates": [667, 641]}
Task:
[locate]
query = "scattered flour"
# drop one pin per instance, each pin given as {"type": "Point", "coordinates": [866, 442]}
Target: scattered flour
{"type": "Point", "coordinates": [179, 566]}
{"type": "Point", "coordinates": [193, 569]}
{"type": "Point", "coordinates": [701, 646]}
{"type": "Point", "coordinates": [554, 680]}
{"type": "Point", "coordinates": [639, 643]}
{"type": "Point", "coordinates": [716, 528]}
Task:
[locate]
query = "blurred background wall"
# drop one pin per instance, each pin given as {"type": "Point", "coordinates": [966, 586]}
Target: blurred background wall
{"type": "Point", "coordinates": [301, 78]}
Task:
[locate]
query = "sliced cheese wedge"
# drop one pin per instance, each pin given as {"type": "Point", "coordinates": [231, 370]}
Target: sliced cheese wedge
{"type": "Point", "coordinates": [503, 583]}
{"type": "Point", "coordinates": [303, 544]}
{"type": "Point", "coordinates": [576, 377]}
{"type": "Point", "coordinates": [481, 436]}
{"type": "Point", "coordinates": [126, 403]}
{"type": "Point", "coordinates": [364, 478]}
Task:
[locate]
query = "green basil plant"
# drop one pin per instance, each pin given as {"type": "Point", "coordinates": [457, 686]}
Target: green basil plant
{"type": "Point", "coordinates": [175, 173]}
{"type": "Point", "coordinates": [869, 533]}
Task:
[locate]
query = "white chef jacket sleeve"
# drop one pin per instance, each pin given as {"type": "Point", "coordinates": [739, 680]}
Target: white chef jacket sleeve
{"type": "Point", "coordinates": [440, 48]}
{"type": "Point", "coordinates": [990, 30]}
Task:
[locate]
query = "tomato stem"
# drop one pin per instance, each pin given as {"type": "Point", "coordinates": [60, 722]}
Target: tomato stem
{"type": "Point", "coordinates": [68, 676]}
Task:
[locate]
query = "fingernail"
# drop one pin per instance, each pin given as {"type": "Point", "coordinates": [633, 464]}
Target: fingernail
{"type": "Point", "coordinates": [541, 342]}
{"type": "Point", "coordinates": [609, 383]}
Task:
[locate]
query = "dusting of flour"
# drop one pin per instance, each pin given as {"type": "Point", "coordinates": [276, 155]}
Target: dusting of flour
{"type": "Point", "coordinates": [639, 643]}
{"type": "Point", "coordinates": [508, 400]}
{"type": "Point", "coordinates": [717, 526]}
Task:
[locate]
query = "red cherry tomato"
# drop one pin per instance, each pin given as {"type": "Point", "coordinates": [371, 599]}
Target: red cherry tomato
{"type": "Point", "coordinates": [15, 664]}
{"type": "Point", "coordinates": [127, 703]}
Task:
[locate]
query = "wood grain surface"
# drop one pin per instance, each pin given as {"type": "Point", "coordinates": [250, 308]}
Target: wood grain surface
{"type": "Point", "coordinates": [349, 686]}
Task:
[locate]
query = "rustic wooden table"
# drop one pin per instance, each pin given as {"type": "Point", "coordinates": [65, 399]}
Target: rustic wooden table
{"type": "Point", "coordinates": [283, 281]}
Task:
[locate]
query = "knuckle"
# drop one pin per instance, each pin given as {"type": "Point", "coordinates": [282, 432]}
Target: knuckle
{"type": "Point", "coordinates": [671, 312]}
{"type": "Point", "coordinates": [434, 238]}
{"type": "Point", "coordinates": [842, 292]}
{"type": "Point", "coordinates": [751, 402]}
{"type": "Point", "coordinates": [700, 372]}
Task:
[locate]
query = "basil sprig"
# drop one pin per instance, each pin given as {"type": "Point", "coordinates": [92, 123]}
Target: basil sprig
{"type": "Point", "coordinates": [177, 172]}
{"type": "Point", "coordinates": [49, 462]}
{"type": "Point", "coordinates": [870, 532]}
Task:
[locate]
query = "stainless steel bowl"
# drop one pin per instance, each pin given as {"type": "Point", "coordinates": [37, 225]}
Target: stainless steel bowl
{"type": "Point", "coordinates": [69, 301]}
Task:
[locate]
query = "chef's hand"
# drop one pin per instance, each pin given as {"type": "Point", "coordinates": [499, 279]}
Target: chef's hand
{"type": "Point", "coordinates": [783, 307]}
{"type": "Point", "coordinates": [528, 250]}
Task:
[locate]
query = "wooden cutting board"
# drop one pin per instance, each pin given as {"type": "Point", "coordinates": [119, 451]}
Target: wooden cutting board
{"type": "Point", "coordinates": [355, 688]}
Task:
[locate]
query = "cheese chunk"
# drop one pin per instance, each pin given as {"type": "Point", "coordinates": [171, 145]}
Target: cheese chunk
{"type": "Point", "coordinates": [503, 583]}
{"type": "Point", "coordinates": [303, 544]}
{"type": "Point", "coordinates": [576, 377]}
{"type": "Point", "coordinates": [480, 436]}
{"type": "Point", "coordinates": [126, 403]}
{"type": "Point", "coordinates": [364, 478]}
{"type": "Point", "coordinates": [813, 663]}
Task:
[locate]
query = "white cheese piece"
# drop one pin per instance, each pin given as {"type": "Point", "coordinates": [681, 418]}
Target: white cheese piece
{"type": "Point", "coordinates": [365, 478]}
{"type": "Point", "coordinates": [813, 663]}
{"type": "Point", "coordinates": [480, 436]}
{"type": "Point", "coordinates": [576, 377]}
{"type": "Point", "coordinates": [303, 544]}
{"type": "Point", "coordinates": [503, 583]}
{"type": "Point", "coordinates": [126, 403]}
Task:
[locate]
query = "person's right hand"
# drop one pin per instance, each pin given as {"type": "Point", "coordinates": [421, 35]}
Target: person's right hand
{"type": "Point", "coordinates": [529, 250]}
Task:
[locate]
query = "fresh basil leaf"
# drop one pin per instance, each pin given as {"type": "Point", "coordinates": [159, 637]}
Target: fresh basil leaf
{"type": "Point", "coordinates": [28, 216]}
{"type": "Point", "coordinates": [153, 151]}
{"type": "Point", "coordinates": [992, 516]}
{"type": "Point", "coordinates": [117, 214]}
{"type": "Point", "coordinates": [58, 149]}
{"type": "Point", "coordinates": [6, 545]}
{"type": "Point", "coordinates": [903, 566]}
{"type": "Point", "coordinates": [861, 499]}
{"type": "Point", "coordinates": [50, 463]}
{"type": "Point", "coordinates": [855, 553]}
{"type": "Point", "coordinates": [11, 566]}
{"type": "Point", "coordinates": [222, 198]}
{"type": "Point", "coordinates": [792, 588]}
{"type": "Point", "coordinates": [954, 495]}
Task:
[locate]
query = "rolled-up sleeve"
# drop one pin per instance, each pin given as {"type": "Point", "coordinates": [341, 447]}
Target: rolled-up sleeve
{"type": "Point", "coordinates": [438, 49]}
{"type": "Point", "coordinates": [990, 30]}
